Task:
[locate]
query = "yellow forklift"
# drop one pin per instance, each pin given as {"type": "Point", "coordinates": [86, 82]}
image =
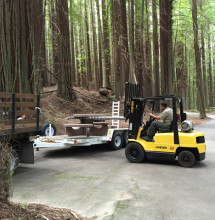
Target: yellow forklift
{"type": "Point", "coordinates": [184, 145]}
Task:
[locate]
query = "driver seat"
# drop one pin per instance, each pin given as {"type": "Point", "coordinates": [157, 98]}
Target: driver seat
{"type": "Point", "coordinates": [163, 130]}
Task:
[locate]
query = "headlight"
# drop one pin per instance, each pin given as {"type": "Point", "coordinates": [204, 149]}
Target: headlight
{"type": "Point", "coordinates": [187, 126]}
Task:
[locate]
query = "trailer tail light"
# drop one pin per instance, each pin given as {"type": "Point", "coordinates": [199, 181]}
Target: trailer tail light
{"type": "Point", "coordinates": [75, 141]}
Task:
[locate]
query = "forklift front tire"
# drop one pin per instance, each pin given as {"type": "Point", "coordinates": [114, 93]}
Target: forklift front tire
{"type": "Point", "coordinates": [186, 159]}
{"type": "Point", "coordinates": [135, 153]}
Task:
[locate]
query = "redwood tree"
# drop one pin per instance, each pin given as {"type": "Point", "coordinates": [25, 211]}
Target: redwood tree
{"type": "Point", "coordinates": [200, 96]}
{"type": "Point", "coordinates": [65, 75]}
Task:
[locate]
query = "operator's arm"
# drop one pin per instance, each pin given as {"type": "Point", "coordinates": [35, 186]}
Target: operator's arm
{"type": "Point", "coordinates": [154, 116]}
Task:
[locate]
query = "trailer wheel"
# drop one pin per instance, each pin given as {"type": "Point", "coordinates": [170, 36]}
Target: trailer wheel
{"type": "Point", "coordinates": [135, 153]}
{"type": "Point", "coordinates": [117, 141]}
{"type": "Point", "coordinates": [186, 158]}
{"type": "Point", "coordinates": [45, 129]}
{"type": "Point", "coordinates": [125, 138]}
{"type": "Point", "coordinates": [14, 160]}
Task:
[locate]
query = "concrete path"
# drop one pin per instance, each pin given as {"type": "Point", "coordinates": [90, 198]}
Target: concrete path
{"type": "Point", "coordinates": [95, 181]}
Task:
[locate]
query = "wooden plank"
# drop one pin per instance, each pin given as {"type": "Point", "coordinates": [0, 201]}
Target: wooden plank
{"type": "Point", "coordinates": [26, 121]}
{"type": "Point", "coordinates": [18, 104]}
{"type": "Point", "coordinates": [26, 96]}
{"type": "Point", "coordinates": [6, 122]}
{"type": "Point", "coordinates": [18, 131]}
{"type": "Point", "coordinates": [19, 122]}
{"type": "Point", "coordinates": [5, 104]}
{"type": "Point", "coordinates": [30, 112]}
{"type": "Point", "coordinates": [2, 114]}
{"type": "Point", "coordinates": [79, 125]}
{"type": "Point", "coordinates": [26, 104]}
{"type": "Point", "coordinates": [5, 95]}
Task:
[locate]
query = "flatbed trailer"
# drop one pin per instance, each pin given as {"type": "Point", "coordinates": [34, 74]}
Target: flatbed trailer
{"type": "Point", "coordinates": [116, 137]}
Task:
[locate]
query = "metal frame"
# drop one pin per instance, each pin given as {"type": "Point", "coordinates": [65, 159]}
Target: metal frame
{"type": "Point", "coordinates": [135, 117]}
{"type": "Point", "coordinates": [131, 91]}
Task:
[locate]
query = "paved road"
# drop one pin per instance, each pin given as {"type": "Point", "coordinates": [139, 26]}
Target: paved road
{"type": "Point", "coordinates": [95, 181]}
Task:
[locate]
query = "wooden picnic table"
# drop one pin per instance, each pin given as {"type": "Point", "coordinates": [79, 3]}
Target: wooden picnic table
{"type": "Point", "coordinates": [90, 124]}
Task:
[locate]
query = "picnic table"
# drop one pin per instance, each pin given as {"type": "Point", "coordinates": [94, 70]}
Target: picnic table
{"type": "Point", "coordinates": [90, 124]}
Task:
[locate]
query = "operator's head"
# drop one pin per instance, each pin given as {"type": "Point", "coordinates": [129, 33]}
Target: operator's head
{"type": "Point", "coordinates": [163, 105]}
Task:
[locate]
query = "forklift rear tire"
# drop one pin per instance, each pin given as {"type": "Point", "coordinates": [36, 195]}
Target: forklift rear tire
{"type": "Point", "coordinates": [117, 141]}
{"type": "Point", "coordinates": [135, 153]}
{"type": "Point", "coordinates": [186, 158]}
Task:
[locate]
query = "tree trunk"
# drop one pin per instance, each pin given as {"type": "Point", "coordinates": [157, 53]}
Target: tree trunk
{"type": "Point", "coordinates": [65, 78]}
{"type": "Point", "coordinates": [166, 46]}
{"type": "Point", "coordinates": [116, 49]}
{"type": "Point", "coordinates": [203, 59]}
{"type": "Point", "coordinates": [106, 40]}
{"type": "Point", "coordinates": [140, 54]}
{"type": "Point", "coordinates": [54, 32]}
{"type": "Point", "coordinates": [74, 72]}
{"type": "Point", "coordinates": [95, 48]}
{"type": "Point", "coordinates": [21, 45]}
{"type": "Point", "coordinates": [124, 66]}
{"type": "Point", "coordinates": [132, 75]}
{"type": "Point", "coordinates": [87, 42]}
{"type": "Point", "coordinates": [155, 50]}
{"type": "Point", "coordinates": [210, 69]}
{"type": "Point", "coordinates": [198, 62]}
{"type": "Point", "coordinates": [104, 73]}
{"type": "Point", "coordinates": [148, 56]}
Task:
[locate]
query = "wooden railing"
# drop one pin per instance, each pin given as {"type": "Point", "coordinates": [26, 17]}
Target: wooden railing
{"type": "Point", "coordinates": [15, 105]}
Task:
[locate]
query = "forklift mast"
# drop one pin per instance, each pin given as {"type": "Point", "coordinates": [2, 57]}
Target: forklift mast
{"type": "Point", "coordinates": [131, 91]}
{"type": "Point", "coordinates": [135, 116]}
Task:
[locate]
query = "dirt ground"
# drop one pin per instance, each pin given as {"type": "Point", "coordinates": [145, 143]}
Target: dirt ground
{"type": "Point", "coordinates": [14, 211]}
{"type": "Point", "coordinates": [55, 110]}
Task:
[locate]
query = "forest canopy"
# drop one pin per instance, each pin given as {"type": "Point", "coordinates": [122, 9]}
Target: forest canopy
{"type": "Point", "coordinates": [166, 46]}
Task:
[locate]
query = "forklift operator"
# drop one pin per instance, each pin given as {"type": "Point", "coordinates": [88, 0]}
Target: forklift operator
{"type": "Point", "coordinates": [166, 116]}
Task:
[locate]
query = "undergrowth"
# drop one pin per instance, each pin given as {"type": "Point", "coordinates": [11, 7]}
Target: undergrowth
{"type": "Point", "coordinates": [5, 175]}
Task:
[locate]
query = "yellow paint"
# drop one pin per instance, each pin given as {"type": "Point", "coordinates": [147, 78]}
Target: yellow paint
{"type": "Point", "coordinates": [164, 142]}
{"type": "Point", "coordinates": [132, 106]}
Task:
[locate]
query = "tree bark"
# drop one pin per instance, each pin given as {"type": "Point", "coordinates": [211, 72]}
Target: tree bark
{"type": "Point", "coordinates": [166, 46]}
{"type": "Point", "coordinates": [95, 47]}
{"type": "Point", "coordinates": [104, 73]}
{"type": "Point", "coordinates": [148, 56]}
{"type": "Point", "coordinates": [65, 78]}
{"type": "Point", "coordinates": [132, 74]}
{"type": "Point", "coordinates": [87, 42]}
{"type": "Point", "coordinates": [106, 40]}
{"type": "Point", "coordinates": [116, 48]}
{"type": "Point", "coordinates": [155, 50]}
{"type": "Point", "coordinates": [124, 66]}
{"type": "Point", "coordinates": [198, 62]}
{"type": "Point", "coordinates": [203, 58]}
{"type": "Point", "coordinates": [74, 72]}
{"type": "Point", "coordinates": [210, 69]}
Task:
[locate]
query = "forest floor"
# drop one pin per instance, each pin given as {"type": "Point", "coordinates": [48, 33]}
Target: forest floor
{"type": "Point", "coordinates": [56, 110]}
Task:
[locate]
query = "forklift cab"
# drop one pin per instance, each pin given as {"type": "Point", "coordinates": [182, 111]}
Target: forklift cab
{"type": "Point", "coordinates": [185, 145]}
{"type": "Point", "coordinates": [138, 110]}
